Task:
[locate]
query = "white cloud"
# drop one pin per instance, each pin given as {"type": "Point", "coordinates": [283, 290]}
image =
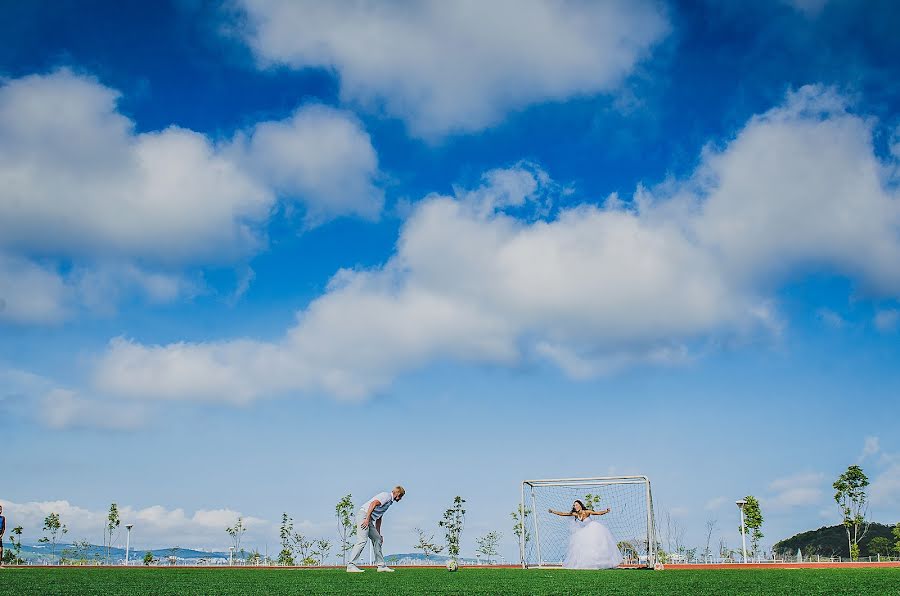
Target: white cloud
{"type": "Point", "coordinates": [800, 490]}
{"type": "Point", "coordinates": [458, 66]}
{"type": "Point", "coordinates": [320, 155]}
{"type": "Point", "coordinates": [131, 210]}
{"type": "Point", "coordinates": [884, 491]}
{"type": "Point", "coordinates": [581, 367]}
{"type": "Point", "coordinates": [871, 446]}
{"type": "Point", "coordinates": [887, 320]}
{"type": "Point", "coordinates": [801, 186]}
{"type": "Point", "coordinates": [39, 293]}
{"type": "Point", "coordinates": [30, 293]}
{"type": "Point", "coordinates": [466, 283]}
{"type": "Point", "coordinates": [30, 396]}
{"type": "Point", "coordinates": [19, 390]}
{"type": "Point", "coordinates": [154, 527]}
{"type": "Point", "coordinates": [79, 181]}
{"type": "Point", "coordinates": [62, 408]}
{"type": "Point", "coordinates": [591, 289]}
{"type": "Point", "coordinates": [102, 285]}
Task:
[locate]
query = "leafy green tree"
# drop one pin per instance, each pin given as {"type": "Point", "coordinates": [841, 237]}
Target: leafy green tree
{"type": "Point", "coordinates": [453, 522]}
{"type": "Point", "coordinates": [850, 495]}
{"type": "Point", "coordinates": [880, 546]}
{"type": "Point", "coordinates": [77, 553]}
{"type": "Point", "coordinates": [254, 558]}
{"type": "Point", "coordinates": [343, 511]}
{"type": "Point", "coordinates": [321, 549]}
{"type": "Point", "coordinates": [302, 546]}
{"type": "Point", "coordinates": [148, 558]}
{"type": "Point", "coordinates": [426, 544]}
{"type": "Point", "coordinates": [896, 532]}
{"type": "Point", "coordinates": [753, 521]}
{"type": "Point", "coordinates": [13, 555]}
{"type": "Point", "coordinates": [487, 545]}
{"type": "Point", "coordinates": [520, 528]}
{"type": "Point", "coordinates": [725, 551]}
{"type": "Point", "coordinates": [591, 501]}
{"type": "Point", "coordinates": [286, 532]}
{"type": "Point", "coordinates": [112, 525]}
{"type": "Point", "coordinates": [236, 532]}
{"type": "Point", "coordinates": [54, 529]}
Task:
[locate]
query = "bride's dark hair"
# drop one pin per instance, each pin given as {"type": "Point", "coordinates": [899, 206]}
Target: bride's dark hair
{"type": "Point", "coordinates": [583, 508]}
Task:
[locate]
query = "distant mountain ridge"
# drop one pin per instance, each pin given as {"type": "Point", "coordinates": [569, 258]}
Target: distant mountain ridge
{"type": "Point", "coordinates": [831, 541]}
{"type": "Point", "coordinates": [35, 553]}
{"type": "Point", "coordinates": [419, 558]}
{"type": "Point", "coordinates": [93, 552]}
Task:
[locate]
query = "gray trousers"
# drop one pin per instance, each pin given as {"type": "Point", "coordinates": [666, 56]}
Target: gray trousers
{"type": "Point", "coordinates": [363, 534]}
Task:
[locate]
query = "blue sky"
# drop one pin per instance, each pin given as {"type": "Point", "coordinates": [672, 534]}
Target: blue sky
{"type": "Point", "coordinates": [256, 255]}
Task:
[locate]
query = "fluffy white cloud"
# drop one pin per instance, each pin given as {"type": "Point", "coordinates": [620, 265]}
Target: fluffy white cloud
{"type": "Point", "coordinates": [320, 155]}
{"type": "Point", "coordinates": [154, 526]}
{"type": "Point", "coordinates": [38, 293]}
{"type": "Point", "coordinates": [458, 66]}
{"type": "Point", "coordinates": [77, 179]}
{"type": "Point", "coordinates": [468, 283]}
{"type": "Point", "coordinates": [78, 184]}
{"type": "Point", "coordinates": [871, 446]}
{"type": "Point", "coordinates": [884, 492]}
{"type": "Point", "coordinates": [30, 396]}
{"type": "Point", "coordinates": [801, 186]}
{"type": "Point", "coordinates": [62, 408]}
{"type": "Point", "coordinates": [591, 289]}
{"type": "Point", "coordinates": [30, 293]}
{"type": "Point", "coordinates": [800, 490]}
{"type": "Point", "coordinates": [101, 286]}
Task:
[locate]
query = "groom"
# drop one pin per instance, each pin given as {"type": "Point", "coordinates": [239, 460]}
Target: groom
{"type": "Point", "coordinates": [372, 511]}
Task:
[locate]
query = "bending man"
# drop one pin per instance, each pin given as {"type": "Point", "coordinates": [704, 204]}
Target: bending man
{"type": "Point", "coordinates": [368, 527]}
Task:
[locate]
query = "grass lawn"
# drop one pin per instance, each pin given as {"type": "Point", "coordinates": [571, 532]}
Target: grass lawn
{"type": "Point", "coordinates": [221, 582]}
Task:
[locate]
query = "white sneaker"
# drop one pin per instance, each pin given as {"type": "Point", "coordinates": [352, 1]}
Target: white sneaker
{"type": "Point", "coordinates": [385, 569]}
{"type": "Point", "coordinates": [351, 568]}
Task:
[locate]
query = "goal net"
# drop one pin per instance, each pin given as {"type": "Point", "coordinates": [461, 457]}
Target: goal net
{"type": "Point", "coordinates": [545, 538]}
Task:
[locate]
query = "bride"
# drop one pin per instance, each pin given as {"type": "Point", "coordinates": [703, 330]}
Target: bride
{"type": "Point", "coordinates": [591, 544]}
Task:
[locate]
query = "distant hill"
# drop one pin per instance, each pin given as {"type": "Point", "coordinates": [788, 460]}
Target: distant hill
{"type": "Point", "coordinates": [830, 541]}
{"type": "Point", "coordinates": [420, 559]}
{"type": "Point", "coordinates": [36, 553]}
{"type": "Point", "coordinates": [40, 553]}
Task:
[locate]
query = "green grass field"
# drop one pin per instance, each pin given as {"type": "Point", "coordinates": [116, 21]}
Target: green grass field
{"type": "Point", "coordinates": [144, 581]}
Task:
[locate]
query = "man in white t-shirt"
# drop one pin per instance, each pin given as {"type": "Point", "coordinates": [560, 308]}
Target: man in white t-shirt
{"type": "Point", "coordinates": [368, 527]}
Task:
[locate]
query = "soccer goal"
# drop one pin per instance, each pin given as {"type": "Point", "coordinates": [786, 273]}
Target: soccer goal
{"type": "Point", "coordinates": [545, 537]}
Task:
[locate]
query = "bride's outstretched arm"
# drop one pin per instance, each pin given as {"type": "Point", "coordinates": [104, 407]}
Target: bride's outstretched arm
{"type": "Point", "coordinates": [604, 512]}
{"type": "Point", "coordinates": [563, 514]}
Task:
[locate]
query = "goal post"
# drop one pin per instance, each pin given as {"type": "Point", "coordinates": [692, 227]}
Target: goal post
{"type": "Point", "coordinates": [544, 537]}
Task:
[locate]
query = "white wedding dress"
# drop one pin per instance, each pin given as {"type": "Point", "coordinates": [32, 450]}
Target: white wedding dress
{"type": "Point", "coordinates": [591, 546]}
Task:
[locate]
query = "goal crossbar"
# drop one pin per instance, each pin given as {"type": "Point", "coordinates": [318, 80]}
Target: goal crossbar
{"type": "Point", "coordinates": [589, 481]}
{"type": "Point", "coordinates": [632, 523]}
